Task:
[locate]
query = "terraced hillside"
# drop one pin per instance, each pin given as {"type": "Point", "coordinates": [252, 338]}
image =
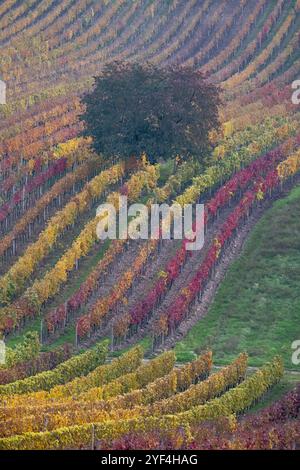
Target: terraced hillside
{"type": "Point", "coordinates": [64, 294]}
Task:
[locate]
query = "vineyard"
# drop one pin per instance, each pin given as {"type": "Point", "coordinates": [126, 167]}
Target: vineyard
{"type": "Point", "coordinates": [144, 344]}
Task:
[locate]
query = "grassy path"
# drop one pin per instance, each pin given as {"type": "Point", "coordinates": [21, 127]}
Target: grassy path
{"type": "Point", "coordinates": [257, 307]}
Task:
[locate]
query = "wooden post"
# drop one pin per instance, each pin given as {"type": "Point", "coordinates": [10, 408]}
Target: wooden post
{"type": "Point", "coordinates": [41, 333]}
{"type": "Point", "coordinates": [76, 336]}
{"type": "Point", "coordinates": [93, 437]}
{"type": "Point", "coordinates": [23, 198]}
{"type": "Point", "coordinates": [112, 338]}
{"type": "Point", "coordinates": [66, 312]}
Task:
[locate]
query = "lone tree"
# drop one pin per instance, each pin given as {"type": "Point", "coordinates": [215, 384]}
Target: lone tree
{"type": "Point", "coordinates": [142, 108]}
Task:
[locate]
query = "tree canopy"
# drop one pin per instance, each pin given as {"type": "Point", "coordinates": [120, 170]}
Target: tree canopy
{"type": "Point", "coordinates": [163, 112]}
